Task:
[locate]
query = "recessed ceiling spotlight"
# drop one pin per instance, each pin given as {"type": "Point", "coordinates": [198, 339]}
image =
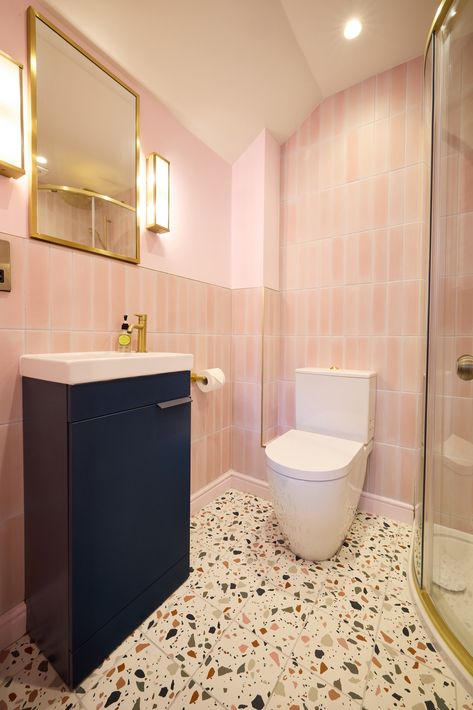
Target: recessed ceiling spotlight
{"type": "Point", "coordinates": [41, 160]}
{"type": "Point", "coordinates": [352, 28]}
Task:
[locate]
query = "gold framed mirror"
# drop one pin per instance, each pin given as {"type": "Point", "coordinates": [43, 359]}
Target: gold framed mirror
{"type": "Point", "coordinates": [84, 148]}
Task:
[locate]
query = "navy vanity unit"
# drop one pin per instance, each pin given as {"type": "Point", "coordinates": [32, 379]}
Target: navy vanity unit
{"type": "Point", "coordinates": [107, 505]}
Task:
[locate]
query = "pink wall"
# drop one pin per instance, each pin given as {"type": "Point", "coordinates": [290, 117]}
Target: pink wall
{"type": "Point", "coordinates": [272, 190]}
{"type": "Point", "coordinates": [255, 214]}
{"type": "Point", "coordinates": [200, 179]}
{"type": "Point", "coordinates": [248, 215]}
{"type": "Point", "coordinates": [352, 258]}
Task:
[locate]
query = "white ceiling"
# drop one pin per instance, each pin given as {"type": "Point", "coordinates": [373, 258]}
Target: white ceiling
{"type": "Point", "coordinates": [229, 68]}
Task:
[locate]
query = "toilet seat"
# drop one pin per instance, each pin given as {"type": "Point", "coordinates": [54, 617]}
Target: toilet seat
{"type": "Point", "coordinates": [308, 456]}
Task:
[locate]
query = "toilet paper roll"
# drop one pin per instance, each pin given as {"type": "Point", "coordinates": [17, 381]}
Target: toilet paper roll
{"type": "Point", "coordinates": [215, 379]}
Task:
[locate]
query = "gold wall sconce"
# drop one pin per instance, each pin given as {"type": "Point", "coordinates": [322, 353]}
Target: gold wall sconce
{"type": "Point", "coordinates": [157, 193]}
{"type": "Point", "coordinates": [11, 117]}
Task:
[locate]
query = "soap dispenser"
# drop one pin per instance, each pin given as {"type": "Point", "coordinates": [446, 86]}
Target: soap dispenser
{"type": "Point", "coordinates": [124, 338]}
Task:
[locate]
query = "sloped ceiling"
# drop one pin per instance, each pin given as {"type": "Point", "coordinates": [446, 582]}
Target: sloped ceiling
{"type": "Point", "coordinates": [229, 68]}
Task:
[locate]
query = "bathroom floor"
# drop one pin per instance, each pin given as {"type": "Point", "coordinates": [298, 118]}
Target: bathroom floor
{"type": "Point", "coordinates": [255, 627]}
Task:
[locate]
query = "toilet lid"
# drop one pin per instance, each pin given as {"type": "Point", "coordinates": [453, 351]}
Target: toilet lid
{"type": "Point", "coordinates": [311, 457]}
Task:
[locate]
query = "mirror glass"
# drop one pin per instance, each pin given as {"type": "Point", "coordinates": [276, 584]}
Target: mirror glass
{"type": "Point", "coordinates": [84, 148]}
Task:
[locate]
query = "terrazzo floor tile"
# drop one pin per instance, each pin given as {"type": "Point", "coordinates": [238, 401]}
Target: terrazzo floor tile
{"type": "Point", "coordinates": [13, 658]}
{"type": "Point", "coordinates": [397, 681]}
{"type": "Point", "coordinates": [143, 678]}
{"type": "Point", "coordinates": [348, 598]}
{"type": "Point", "coordinates": [224, 589]}
{"type": "Point", "coordinates": [303, 580]}
{"type": "Point", "coordinates": [402, 629]}
{"type": "Point", "coordinates": [186, 627]}
{"type": "Point", "coordinates": [398, 585]}
{"type": "Point", "coordinates": [464, 699]}
{"type": "Point", "coordinates": [375, 536]}
{"type": "Point", "coordinates": [194, 695]}
{"type": "Point", "coordinates": [241, 670]}
{"type": "Point", "coordinates": [364, 561]}
{"type": "Point", "coordinates": [299, 689]}
{"type": "Point", "coordinates": [25, 696]}
{"type": "Point", "coordinates": [129, 646]}
{"type": "Point", "coordinates": [337, 651]}
{"type": "Point", "coordinates": [35, 685]}
{"type": "Point", "coordinates": [37, 672]}
{"type": "Point", "coordinates": [231, 627]}
{"type": "Point", "coordinates": [275, 616]}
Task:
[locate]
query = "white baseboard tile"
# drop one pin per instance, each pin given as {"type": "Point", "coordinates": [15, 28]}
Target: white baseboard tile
{"type": "Point", "coordinates": [390, 508]}
{"type": "Point", "coordinates": [208, 493]}
{"type": "Point", "coordinates": [369, 502]}
{"type": "Point", "coordinates": [12, 625]}
{"type": "Point", "coordinates": [249, 484]}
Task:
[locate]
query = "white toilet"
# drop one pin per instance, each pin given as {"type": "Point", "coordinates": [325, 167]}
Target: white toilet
{"type": "Point", "coordinates": [316, 471]}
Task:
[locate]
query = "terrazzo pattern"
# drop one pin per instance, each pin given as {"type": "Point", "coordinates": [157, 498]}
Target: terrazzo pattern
{"type": "Point", "coordinates": [255, 627]}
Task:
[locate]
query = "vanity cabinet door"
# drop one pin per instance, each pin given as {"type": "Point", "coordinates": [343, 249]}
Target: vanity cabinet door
{"type": "Point", "coordinates": [129, 494]}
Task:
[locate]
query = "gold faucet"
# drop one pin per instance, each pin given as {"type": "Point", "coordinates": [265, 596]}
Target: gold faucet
{"type": "Point", "coordinates": [141, 326]}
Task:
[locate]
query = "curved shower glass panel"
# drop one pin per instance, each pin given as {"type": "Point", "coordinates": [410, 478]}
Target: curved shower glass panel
{"type": "Point", "coordinates": [443, 545]}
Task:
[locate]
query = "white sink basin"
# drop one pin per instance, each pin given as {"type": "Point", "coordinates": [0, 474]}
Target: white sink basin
{"type": "Point", "coordinates": [75, 368]}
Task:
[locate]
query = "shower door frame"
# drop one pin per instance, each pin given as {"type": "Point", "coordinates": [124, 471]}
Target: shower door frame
{"type": "Point", "coordinates": [433, 614]}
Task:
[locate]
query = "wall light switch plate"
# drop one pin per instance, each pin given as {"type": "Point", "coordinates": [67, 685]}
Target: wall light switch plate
{"type": "Point", "coordinates": [5, 266]}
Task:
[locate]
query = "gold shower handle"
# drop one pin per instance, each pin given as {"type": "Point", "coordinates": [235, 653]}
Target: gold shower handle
{"type": "Point", "coordinates": [465, 367]}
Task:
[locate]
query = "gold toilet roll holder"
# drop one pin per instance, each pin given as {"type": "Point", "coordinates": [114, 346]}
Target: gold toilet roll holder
{"type": "Point", "coordinates": [195, 377]}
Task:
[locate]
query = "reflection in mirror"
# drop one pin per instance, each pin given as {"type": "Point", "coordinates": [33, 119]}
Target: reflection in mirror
{"type": "Point", "coordinates": [84, 148]}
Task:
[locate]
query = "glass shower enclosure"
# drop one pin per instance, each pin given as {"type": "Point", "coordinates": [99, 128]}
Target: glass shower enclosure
{"type": "Point", "coordinates": [443, 541]}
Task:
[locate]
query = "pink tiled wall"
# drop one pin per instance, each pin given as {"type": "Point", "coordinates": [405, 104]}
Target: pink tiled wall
{"type": "Point", "coordinates": [64, 300]}
{"type": "Point", "coordinates": [352, 258]}
{"type": "Point", "coordinates": [271, 363]}
{"type": "Point", "coordinates": [247, 322]}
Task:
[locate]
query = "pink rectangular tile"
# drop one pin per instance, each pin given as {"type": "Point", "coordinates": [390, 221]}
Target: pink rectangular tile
{"type": "Point", "coordinates": [11, 477]}
{"type": "Point", "coordinates": [82, 291]}
{"type": "Point", "coordinates": [397, 141]}
{"type": "Point", "coordinates": [198, 464]}
{"type": "Point", "coordinates": [38, 291]}
{"type": "Point", "coordinates": [37, 341]}
{"type": "Point", "coordinates": [409, 424]}
{"type": "Point", "coordinates": [413, 194]}
{"type": "Point", "coordinates": [60, 341]}
{"type": "Point", "coordinates": [415, 81]}
{"type": "Point", "coordinates": [117, 295]}
{"type": "Point", "coordinates": [13, 303]}
{"type": "Point", "coordinates": [12, 345]}
{"type": "Point", "coordinates": [414, 133]}
{"type": "Point", "coordinates": [382, 95]}
{"type": "Point", "coordinates": [12, 591]}
{"type": "Point", "coordinates": [397, 89]}
{"type": "Point", "coordinates": [61, 289]}
{"type": "Point", "coordinates": [102, 318]}
{"type": "Point", "coordinates": [148, 302]}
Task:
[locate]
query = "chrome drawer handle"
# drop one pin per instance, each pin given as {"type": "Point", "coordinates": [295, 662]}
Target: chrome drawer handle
{"type": "Point", "coordinates": [174, 402]}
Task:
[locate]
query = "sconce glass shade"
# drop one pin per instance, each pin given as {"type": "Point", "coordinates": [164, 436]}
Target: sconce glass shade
{"type": "Point", "coordinates": [11, 117]}
{"type": "Point", "coordinates": [157, 193]}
